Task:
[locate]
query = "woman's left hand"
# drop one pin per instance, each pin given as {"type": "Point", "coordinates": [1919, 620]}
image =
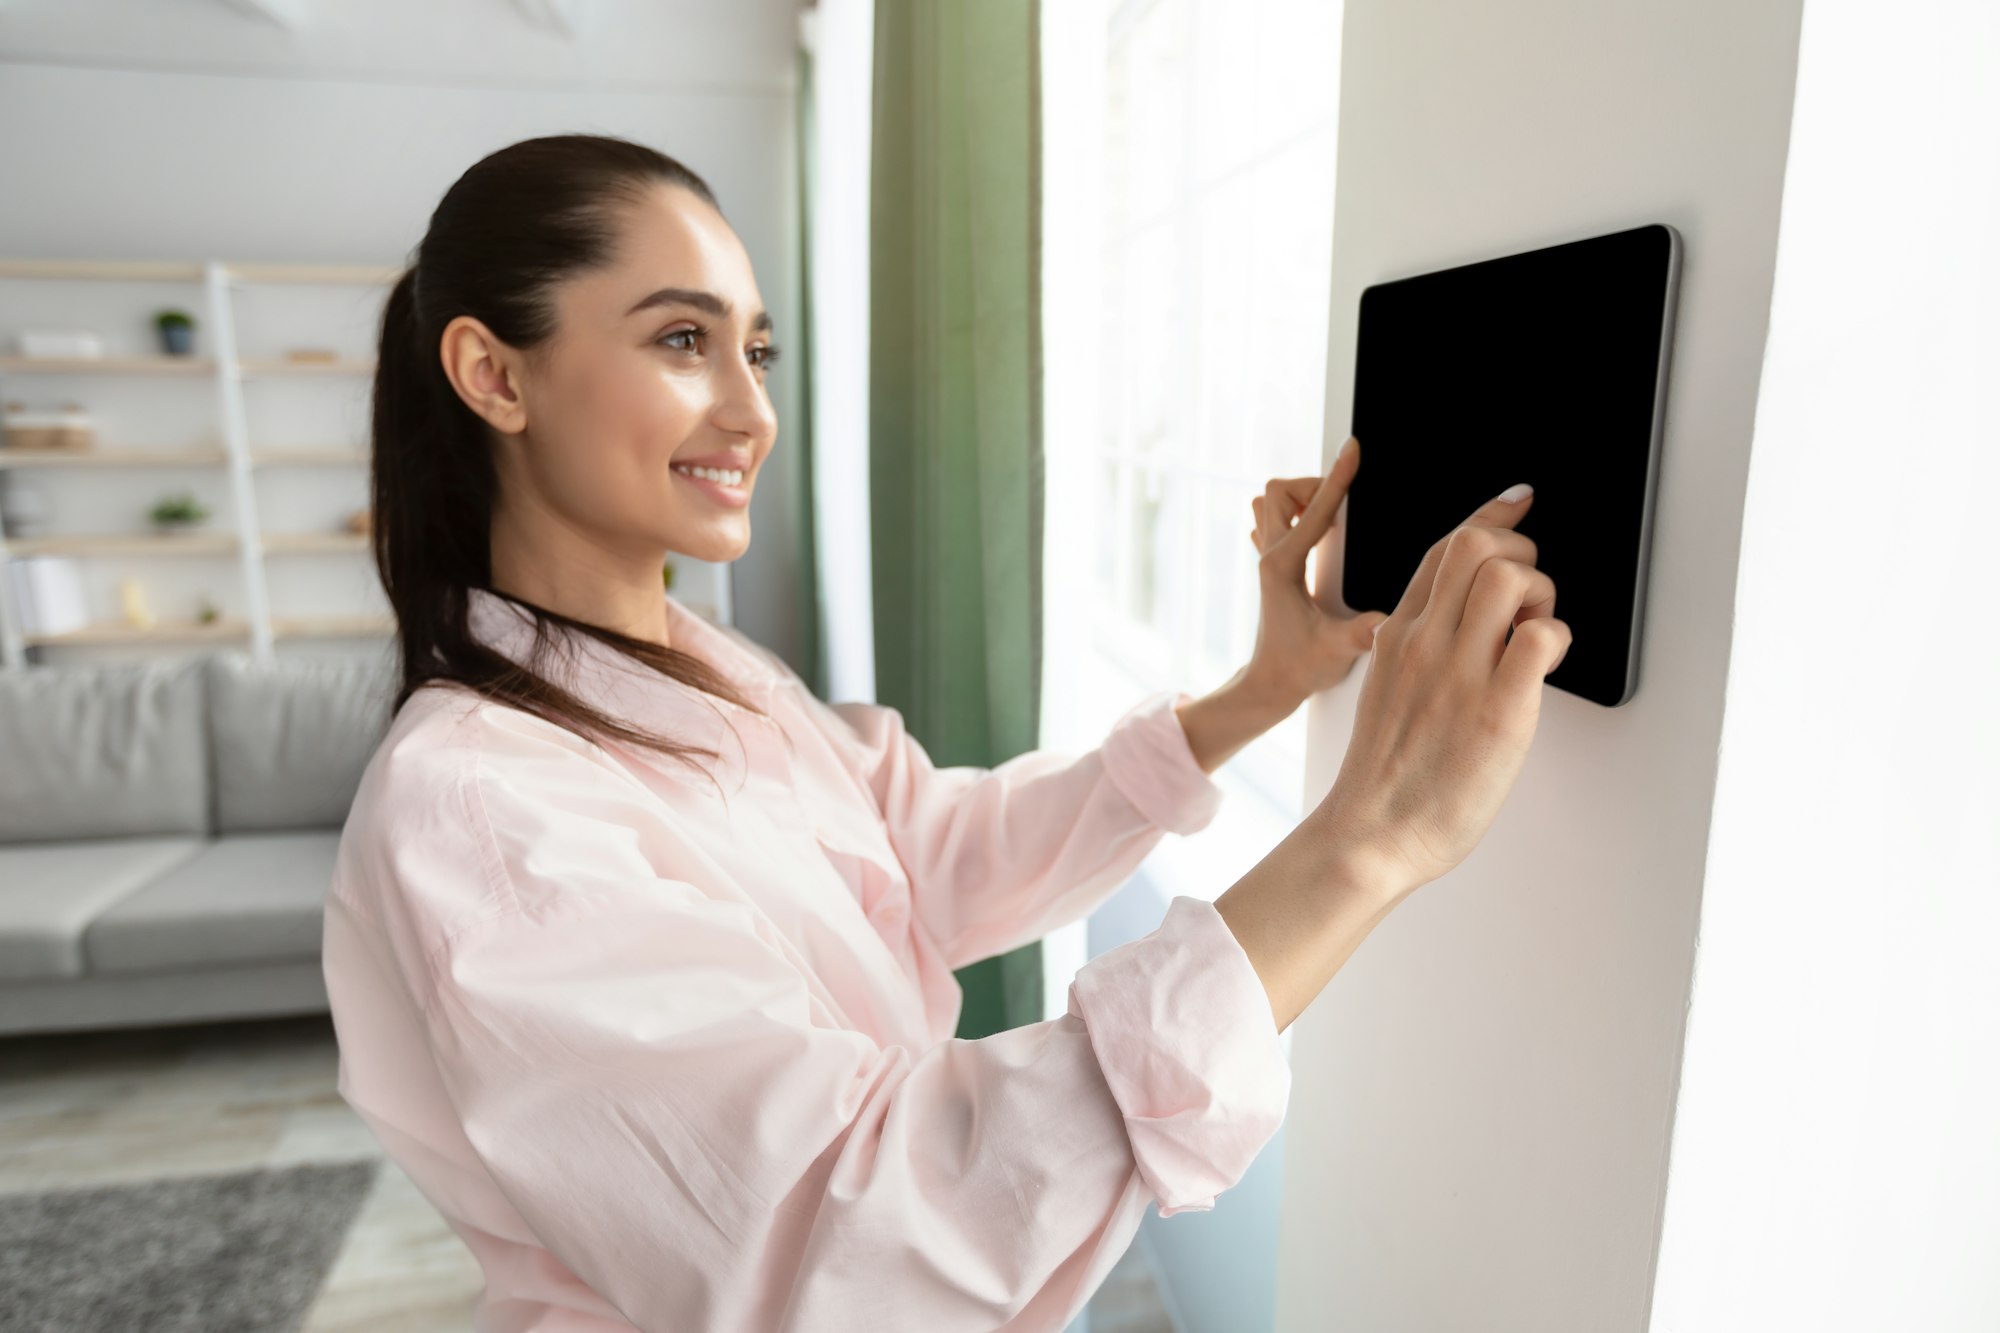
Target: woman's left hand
{"type": "Point", "coordinates": [1307, 641]}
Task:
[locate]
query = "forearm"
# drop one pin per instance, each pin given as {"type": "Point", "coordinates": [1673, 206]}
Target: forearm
{"type": "Point", "coordinates": [1228, 718]}
{"type": "Point", "coordinates": [1303, 910]}
{"type": "Point", "coordinates": [997, 857]}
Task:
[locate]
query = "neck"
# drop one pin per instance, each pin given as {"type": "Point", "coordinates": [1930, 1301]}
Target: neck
{"type": "Point", "coordinates": [539, 558]}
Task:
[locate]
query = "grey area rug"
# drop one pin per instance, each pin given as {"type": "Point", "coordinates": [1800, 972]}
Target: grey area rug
{"type": "Point", "coordinates": [241, 1252]}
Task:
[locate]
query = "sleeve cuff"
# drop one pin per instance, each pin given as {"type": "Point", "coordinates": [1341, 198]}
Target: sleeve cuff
{"type": "Point", "coordinates": [1147, 756]}
{"type": "Point", "coordinates": [1182, 1026]}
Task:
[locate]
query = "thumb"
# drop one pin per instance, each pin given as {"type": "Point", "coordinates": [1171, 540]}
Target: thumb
{"type": "Point", "coordinates": [1363, 628]}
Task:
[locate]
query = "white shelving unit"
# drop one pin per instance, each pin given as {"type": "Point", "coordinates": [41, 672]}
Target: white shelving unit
{"type": "Point", "coordinates": [240, 452]}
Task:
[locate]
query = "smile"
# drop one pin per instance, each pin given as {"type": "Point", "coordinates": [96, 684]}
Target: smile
{"type": "Point", "coordinates": [723, 484]}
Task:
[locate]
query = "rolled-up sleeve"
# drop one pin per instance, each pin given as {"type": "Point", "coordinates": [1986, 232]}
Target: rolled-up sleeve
{"type": "Point", "coordinates": [1184, 1033]}
{"type": "Point", "coordinates": [998, 857]}
{"type": "Point", "coordinates": [660, 1086]}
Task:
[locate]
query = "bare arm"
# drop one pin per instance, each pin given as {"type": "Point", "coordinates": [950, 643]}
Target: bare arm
{"type": "Point", "coordinates": [1443, 724]}
{"type": "Point", "coordinates": [1228, 718]}
{"type": "Point", "coordinates": [1301, 912]}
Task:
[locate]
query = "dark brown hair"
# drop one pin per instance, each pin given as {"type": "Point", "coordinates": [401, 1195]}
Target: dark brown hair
{"type": "Point", "coordinates": [516, 224]}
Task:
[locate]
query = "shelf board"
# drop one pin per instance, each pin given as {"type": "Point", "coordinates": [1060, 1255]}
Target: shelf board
{"type": "Point", "coordinates": [313, 543]}
{"type": "Point", "coordinates": [119, 270]}
{"type": "Point", "coordinates": [180, 543]}
{"type": "Point", "coordinates": [108, 365]}
{"type": "Point", "coordinates": [365, 274]}
{"type": "Point", "coordinates": [263, 367]}
{"type": "Point", "coordinates": [179, 365]}
{"type": "Point", "coordinates": [332, 627]}
{"type": "Point", "coordinates": [113, 269]}
{"type": "Point", "coordinates": [95, 458]}
{"type": "Point", "coordinates": [165, 631]}
{"type": "Point", "coordinates": [332, 456]}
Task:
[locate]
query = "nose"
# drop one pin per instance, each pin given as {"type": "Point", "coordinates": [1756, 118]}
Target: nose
{"type": "Point", "coordinates": [741, 403]}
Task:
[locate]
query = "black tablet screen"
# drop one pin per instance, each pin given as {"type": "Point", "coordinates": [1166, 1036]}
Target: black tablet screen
{"type": "Point", "coordinates": [1539, 367]}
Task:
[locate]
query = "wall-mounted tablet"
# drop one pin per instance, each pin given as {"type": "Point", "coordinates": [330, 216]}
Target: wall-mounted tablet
{"type": "Point", "coordinates": [1549, 367]}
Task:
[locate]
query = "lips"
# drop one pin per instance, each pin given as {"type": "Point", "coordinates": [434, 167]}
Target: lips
{"type": "Point", "coordinates": [730, 488]}
{"type": "Point", "coordinates": [725, 460]}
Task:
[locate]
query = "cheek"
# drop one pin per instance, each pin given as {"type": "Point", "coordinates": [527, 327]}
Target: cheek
{"type": "Point", "coordinates": [637, 414]}
{"type": "Point", "coordinates": [622, 419]}
{"type": "Point", "coordinates": [646, 414]}
{"type": "Point", "coordinates": [665, 417]}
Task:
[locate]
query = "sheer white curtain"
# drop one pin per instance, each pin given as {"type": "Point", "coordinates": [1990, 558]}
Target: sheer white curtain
{"type": "Point", "coordinates": [1188, 238]}
{"type": "Point", "coordinates": [841, 34]}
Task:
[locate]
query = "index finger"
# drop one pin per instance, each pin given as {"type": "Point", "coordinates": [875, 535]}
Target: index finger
{"type": "Point", "coordinates": [1502, 511]}
{"type": "Point", "coordinates": [1317, 516]}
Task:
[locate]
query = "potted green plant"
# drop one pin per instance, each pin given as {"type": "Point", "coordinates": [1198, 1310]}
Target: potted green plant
{"type": "Point", "coordinates": [176, 331]}
{"type": "Point", "coordinates": [178, 513]}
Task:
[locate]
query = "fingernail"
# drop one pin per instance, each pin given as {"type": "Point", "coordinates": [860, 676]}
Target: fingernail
{"type": "Point", "coordinates": [1345, 449]}
{"type": "Point", "coordinates": [1519, 491]}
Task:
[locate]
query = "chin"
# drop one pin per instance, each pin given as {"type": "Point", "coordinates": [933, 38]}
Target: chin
{"type": "Point", "coordinates": [716, 549]}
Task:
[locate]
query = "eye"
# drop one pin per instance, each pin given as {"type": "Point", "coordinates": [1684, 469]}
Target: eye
{"type": "Point", "coordinates": [770, 353]}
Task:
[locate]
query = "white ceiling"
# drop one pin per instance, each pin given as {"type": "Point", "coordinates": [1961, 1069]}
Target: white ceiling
{"type": "Point", "coordinates": [682, 45]}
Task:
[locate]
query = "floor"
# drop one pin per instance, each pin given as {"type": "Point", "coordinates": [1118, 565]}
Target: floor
{"type": "Point", "coordinates": [95, 1107]}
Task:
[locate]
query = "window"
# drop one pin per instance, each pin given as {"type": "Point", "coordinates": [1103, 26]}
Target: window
{"type": "Point", "coordinates": [1189, 170]}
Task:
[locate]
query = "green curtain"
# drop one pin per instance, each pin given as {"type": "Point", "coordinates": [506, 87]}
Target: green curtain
{"type": "Point", "coordinates": [955, 471]}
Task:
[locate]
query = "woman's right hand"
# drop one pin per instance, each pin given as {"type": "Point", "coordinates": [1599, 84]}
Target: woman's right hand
{"type": "Point", "coordinates": [1450, 703]}
{"type": "Point", "coordinates": [1441, 729]}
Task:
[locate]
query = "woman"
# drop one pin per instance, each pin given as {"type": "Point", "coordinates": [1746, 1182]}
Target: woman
{"type": "Point", "coordinates": [640, 956]}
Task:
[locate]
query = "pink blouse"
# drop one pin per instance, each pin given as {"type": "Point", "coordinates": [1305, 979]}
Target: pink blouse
{"type": "Point", "coordinates": [670, 1057]}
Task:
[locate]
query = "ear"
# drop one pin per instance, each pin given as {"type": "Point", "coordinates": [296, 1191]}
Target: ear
{"type": "Point", "coordinates": [486, 372]}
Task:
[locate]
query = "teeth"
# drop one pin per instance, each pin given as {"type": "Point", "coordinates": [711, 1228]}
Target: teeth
{"type": "Point", "coordinates": [727, 476]}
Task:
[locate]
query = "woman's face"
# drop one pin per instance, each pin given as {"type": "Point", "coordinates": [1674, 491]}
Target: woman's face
{"type": "Point", "coordinates": [645, 423]}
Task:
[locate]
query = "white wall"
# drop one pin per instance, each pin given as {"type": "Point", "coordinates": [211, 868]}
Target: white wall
{"type": "Point", "coordinates": [1483, 1097]}
{"type": "Point", "coordinates": [1836, 1160]}
{"type": "Point", "coordinates": [130, 129]}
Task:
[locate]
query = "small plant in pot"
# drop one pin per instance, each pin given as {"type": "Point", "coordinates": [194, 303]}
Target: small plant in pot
{"type": "Point", "coordinates": [178, 513]}
{"type": "Point", "coordinates": [176, 331]}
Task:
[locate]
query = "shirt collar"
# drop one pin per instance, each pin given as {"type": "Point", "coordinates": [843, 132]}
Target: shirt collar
{"type": "Point", "coordinates": [629, 689]}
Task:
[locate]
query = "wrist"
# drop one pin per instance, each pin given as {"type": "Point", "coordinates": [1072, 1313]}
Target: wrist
{"type": "Point", "coordinates": [1262, 696]}
{"type": "Point", "coordinates": [1369, 867]}
{"type": "Point", "coordinates": [1304, 908]}
{"type": "Point", "coordinates": [1229, 717]}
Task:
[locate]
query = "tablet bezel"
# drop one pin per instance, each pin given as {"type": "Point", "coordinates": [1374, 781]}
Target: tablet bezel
{"type": "Point", "coordinates": [1643, 563]}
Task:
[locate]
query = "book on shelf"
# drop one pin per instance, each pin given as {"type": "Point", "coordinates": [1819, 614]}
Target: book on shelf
{"type": "Point", "coordinates": [48, 590]}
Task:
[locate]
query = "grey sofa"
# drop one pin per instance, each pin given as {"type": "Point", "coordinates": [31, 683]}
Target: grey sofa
{"type": "Point", "coordinates": [167, 834]}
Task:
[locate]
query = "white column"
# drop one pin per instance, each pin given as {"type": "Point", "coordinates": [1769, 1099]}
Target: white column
{"type": "Point", "coordinates": [1836, 1152]}
{"type": "Point", "coordinates": [1483, 1098]}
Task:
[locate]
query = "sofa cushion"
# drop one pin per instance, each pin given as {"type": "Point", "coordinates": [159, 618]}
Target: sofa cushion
{"type": "Point", "coordinates": [291, 737]}
{"type": "Point", "coordinates": [247, 898]}
{"type": "Point", "coordinates": [50, 893]}
{"type": "Point", "coordinates": [115, 749]}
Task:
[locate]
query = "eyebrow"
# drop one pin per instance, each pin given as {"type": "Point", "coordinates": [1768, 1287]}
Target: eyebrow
{"type": "Point", "coordinates": [701, 300]}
